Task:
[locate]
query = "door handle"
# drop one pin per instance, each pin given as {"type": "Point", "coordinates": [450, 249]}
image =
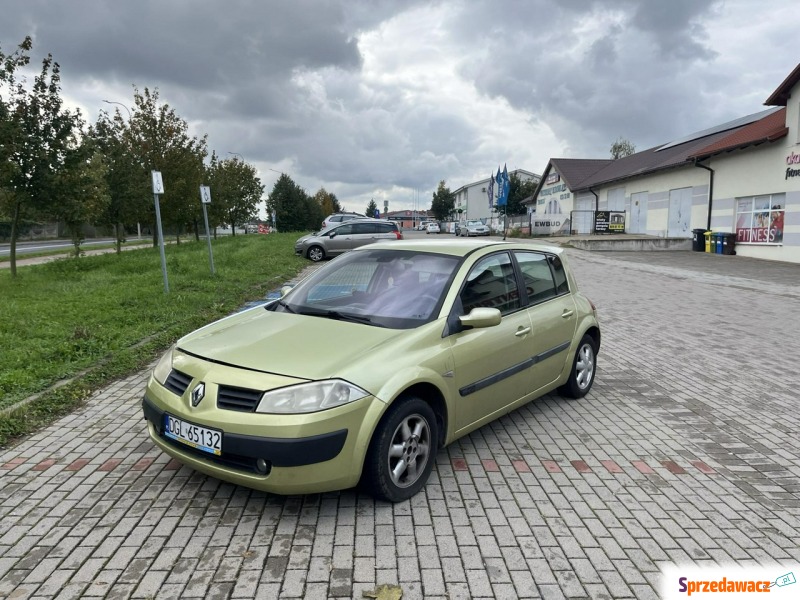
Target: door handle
{"type": "Point", "coordinates": [567, 314]}
{"type": "Point", "coordinates": [522, 331]}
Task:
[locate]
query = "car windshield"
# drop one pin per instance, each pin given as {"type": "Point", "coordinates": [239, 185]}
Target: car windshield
{"type": "Point", "coordinates": [399, 289]}
{"type": "Point", "coordinates": [474, 223]}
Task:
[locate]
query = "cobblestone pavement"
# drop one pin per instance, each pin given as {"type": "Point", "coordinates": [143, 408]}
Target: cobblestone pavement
{"type": "Point", "coordinates": [686, 450]}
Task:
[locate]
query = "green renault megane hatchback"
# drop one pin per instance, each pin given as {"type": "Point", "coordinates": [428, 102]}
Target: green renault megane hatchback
{"type": "Point", "coordinates": [368, 367]}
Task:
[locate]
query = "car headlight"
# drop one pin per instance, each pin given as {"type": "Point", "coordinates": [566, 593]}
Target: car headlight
{"type": "Point", "coordinates": [310, 397]}
{"type": "Point", "coordinates": [164, 366]}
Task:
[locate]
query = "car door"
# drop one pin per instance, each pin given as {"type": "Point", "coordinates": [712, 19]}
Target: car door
{"type": "Point", "coordinates": [491, 365]}
{"type": "Point", "coordinates": [552, 312]}
{"type": "Point", "coordinates": [340, 239]}
{"type": "Point", "coordinates": [364, 233]}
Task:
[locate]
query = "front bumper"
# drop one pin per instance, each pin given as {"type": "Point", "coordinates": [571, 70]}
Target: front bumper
{"type": "Point", "coordinates": [304, 454]}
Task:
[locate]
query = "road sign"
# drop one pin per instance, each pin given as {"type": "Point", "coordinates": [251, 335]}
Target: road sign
{"type": "Point", "coordinates": [205, 194]}
{"type": "Point", "coordinates": [158, 184]}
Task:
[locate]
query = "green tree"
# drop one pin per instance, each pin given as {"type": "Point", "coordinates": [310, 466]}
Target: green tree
{"type": "Point", "coordinates": [518, 190]}
{"type": "Point", "coordinates": [622, 147]}
{"type": "Point", "coordinates": [236, 191]}
{"type": "Point", "coordinates": [294, 210]}
{"type": "Point", "coordinates": [160, 141]}
{"type": "Point", "coordinates": [37, 135]}
{"type": "Point", "coordinates": [327, 202]}
{"type": "Point", "coordinates": [128, 201]}
{"type": "Point", "coordinates": [371, 208]}
{"type": "Point", "coordinates": [83, 191]}
{"type": "Point", "coordinates": [443, 202]}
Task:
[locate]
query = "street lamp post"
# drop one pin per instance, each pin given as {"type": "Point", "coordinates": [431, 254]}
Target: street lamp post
{"type": "Point", "coordinates": [122, 105]}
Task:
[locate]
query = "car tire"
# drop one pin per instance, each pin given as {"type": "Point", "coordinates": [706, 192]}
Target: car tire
{"type": "Point", "coordinates": [584, 368]}
{"type": "Point", "coordinates": [406, 436]}
{"type": "Point", "coordinates": [315, 253]}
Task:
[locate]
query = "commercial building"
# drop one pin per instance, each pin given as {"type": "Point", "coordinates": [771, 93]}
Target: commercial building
{"type": "Point", "coordinates": [472, 200]}
{"type": "Point", "coordinates": [740, 177]}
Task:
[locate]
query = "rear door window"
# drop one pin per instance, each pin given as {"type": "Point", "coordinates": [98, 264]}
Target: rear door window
{"type": "Point", "coordinates": [364, 228]}
{"type": "Point", "coordinates": [543, 275]}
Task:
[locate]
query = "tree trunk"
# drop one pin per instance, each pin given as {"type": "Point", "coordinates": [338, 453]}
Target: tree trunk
{"type": "Point", "coordinates": [14, 233]}
{"type": "Point", "coordinates": [118, 229]}
{"type": "Point", "coordinates": [196, 231]}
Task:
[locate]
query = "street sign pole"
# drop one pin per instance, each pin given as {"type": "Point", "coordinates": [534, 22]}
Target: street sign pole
{"type": "Point", "coordinates": [205, 198]}
{"type": "Point", "coordinates": [158, 188]}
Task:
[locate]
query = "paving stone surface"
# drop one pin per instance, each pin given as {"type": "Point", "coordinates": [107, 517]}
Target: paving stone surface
{"type": "Point", "coordinates": [686, 451]}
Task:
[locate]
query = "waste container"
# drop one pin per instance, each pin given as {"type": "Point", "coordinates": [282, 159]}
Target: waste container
{"type": "Point", "coordinates": [728, 243]}
{"type": "Point", "coordinates": [698, 240]}
{"type": "Point", "coordinates": [709, 240]}
{"type": "Point", "coordinates": [718, 243]}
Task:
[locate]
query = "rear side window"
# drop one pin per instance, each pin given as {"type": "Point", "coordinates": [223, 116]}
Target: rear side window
{"type": "Point", "coordinates": [335, 219]}
{"type": "Point", "coordinates": [364, 228]}
{"type": "Point", "coordinates": [560, 275]}
{"type": "Point", "coordinates": [387, 227]}
{"type": "Point", "coordinates": [537, 276]}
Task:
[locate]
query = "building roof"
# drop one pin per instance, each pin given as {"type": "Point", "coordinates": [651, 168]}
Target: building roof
{"type": "Point", "coordinates": [485, 182]}
{"type": "Point", "coordinates": [575, 170]}
{"type": "Point", "coordinates": [768, 129]}
{"type": "Point", "coordinates": [674, 154]}
{"type": "Point", "coordinates": [781, 95]}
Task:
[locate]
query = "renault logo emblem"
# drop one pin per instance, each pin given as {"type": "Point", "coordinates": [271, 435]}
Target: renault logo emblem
{"type": "Point", "coordinates": [198, 393]}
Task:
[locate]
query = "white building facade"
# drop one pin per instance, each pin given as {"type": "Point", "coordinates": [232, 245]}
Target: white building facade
{"type": "Point", "coordinates": [472, 200]}
{"type": "Point", "coordinates": [740, 178]}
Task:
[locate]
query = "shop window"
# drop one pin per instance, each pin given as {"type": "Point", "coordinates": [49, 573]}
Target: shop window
{"type": "Point", "coordinates": [759, 219]}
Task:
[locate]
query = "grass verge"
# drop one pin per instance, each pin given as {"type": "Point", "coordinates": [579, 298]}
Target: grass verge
{"type": "Point", "coordinates": [98, 318]}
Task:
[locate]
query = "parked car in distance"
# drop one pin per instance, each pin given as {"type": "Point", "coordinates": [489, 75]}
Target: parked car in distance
{"type": "Point", "coordinates": [368, 367]}
{"type": "Point", "coordinates": [432, 228]}
{"type": "Point", "coordinates": [422, 226]}
{"type": "Point", "coordinates": [337, 218]}
{"type": "Point", "coordinates": [346, 236]}
{"type": "Point", "coordinates": [474, 228]}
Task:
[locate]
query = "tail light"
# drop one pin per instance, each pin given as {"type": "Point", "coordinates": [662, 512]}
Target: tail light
{"type": "Point", "coordinates": [399, 234]}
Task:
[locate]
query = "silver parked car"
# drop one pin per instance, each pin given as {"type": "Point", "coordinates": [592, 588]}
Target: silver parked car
{"type": "Point", "coordinates": [337, 218]}
{"type": "Point", "coordinates": [474, 228]}
{"type": "Point", "coordinates": [341, 238]}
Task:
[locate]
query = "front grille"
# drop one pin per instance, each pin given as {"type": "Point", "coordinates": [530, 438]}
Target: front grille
{"type": "Point", "coordinates": [233, 398]}
{"type": "Point", "coordinates": [238, 462]}
{"type": "Point", "coordinates": [177, 382]}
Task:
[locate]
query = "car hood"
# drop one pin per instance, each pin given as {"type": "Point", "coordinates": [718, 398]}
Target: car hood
{"type": "Point", "coordinates": [307, 237]}
{"type": "Point", "coordinates": [300, 346]}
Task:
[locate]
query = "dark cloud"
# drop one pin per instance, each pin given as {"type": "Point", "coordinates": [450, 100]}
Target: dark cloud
{"type": "Point", "coordinates": [385, 97]}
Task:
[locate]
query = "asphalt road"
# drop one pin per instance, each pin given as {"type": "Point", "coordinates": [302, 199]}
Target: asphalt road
{"type": "Point", "coordinates": [50, 245]}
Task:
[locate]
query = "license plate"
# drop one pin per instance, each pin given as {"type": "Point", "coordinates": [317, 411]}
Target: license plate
{"type": "Point", "coordinates": [196, 436]}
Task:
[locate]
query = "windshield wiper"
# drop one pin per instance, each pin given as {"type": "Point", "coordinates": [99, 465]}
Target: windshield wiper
{"type": "Point", "coordinates": [335, 314]}
{"type": "Point", "coordinates": [286, 306]}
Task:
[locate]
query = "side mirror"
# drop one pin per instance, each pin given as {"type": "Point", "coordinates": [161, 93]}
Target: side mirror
{"type": "Point", "coordinates": [285, 290]}
{"type": "Point", "coordinates": [481, 317]}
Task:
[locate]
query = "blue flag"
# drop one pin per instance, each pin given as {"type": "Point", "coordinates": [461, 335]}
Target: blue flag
{"type": "Point", "coordinates": [502, 187]}
{"type": "Point", "coordinates": [490, 191]}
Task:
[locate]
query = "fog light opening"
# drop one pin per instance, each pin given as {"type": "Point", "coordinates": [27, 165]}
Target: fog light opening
{"type": "Point", "coordinates": [263, 467]}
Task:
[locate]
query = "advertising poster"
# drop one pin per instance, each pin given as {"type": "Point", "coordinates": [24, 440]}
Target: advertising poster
{"type": "Point", "coordinates": [759, 221]}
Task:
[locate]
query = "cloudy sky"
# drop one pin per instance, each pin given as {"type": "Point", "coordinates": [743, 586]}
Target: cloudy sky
{"type": "Point", "coordinates": [383, 98]}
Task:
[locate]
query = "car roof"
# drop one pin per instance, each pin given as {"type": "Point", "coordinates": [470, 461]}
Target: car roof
{"type": "Point", "coordinates": [363, 220]}
{"type": "Point", "coordinates": [457, 246]}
